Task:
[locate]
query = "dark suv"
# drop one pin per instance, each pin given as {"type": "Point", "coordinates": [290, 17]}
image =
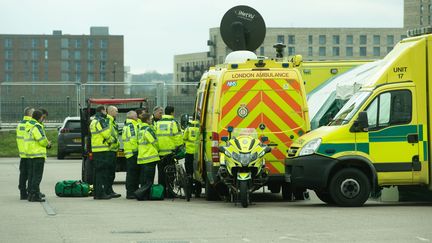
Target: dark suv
{"type": "Point", "coordinates": [69, 137]}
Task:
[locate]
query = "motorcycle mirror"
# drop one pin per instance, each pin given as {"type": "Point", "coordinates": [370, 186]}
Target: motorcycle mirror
{"type": "Point", "coordinates": [264, 139]}
{"type": "Point", "coordinates": [224, 138]}
{"type": "Point", "coordinates": [267, 150]}
{"type": "Point", "coordinates": [230, 129]}
{"type": "Point", "coordinates": [222, 149]}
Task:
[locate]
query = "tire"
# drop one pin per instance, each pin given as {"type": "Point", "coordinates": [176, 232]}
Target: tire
{"type": "Point", "coordinates": [87, 171]}
{"type": "Point", "coordinates": [287, 192]}
{"type": "Point", "coordinates": [210, 192]}
{"type": "Point", "coordinates": [349, 187]}
{"type": "Point", "coordinates": [325, 197]}
{"type": "Point", "coordinates": [244, 194]}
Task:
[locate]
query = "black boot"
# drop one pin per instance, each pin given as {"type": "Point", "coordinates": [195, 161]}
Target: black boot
{"type": "Point", "coordinates": [30, 196]}
{"type": "Point", "coordinates": [23, 195]}
{"type": "Point", "coordinates": [37, 198]}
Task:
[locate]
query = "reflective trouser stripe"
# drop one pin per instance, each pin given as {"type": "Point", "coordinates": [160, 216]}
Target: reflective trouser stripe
{"type": "Point", "coordinates": [93, 147]}
{"type": "Point", "coordinates": [150, 157]}
{"type": "Point", "coordinates": [36, 155]}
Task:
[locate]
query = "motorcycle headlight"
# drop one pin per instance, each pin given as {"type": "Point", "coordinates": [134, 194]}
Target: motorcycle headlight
{"type": "Point", "coordinates": [236, 156]}
{"type": "Point", "coordinates": [245, 159]}
{"type": "Point", "coordinates": [254, 156]}
{"type": "Point", "coordinates": [310, 147]}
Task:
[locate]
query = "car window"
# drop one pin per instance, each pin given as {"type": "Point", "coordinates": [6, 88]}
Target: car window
{"type": "Point", "coordinates": [73, 126]}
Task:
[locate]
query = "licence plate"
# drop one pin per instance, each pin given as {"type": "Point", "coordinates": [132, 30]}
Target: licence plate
{"type": "Point", "coordinates": [77, 140]}
{"type": "Point", "coordinates": [120, 154]}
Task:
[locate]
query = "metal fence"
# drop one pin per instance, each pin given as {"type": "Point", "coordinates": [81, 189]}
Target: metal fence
{"type": "Point", "coordinates": [62, 99]}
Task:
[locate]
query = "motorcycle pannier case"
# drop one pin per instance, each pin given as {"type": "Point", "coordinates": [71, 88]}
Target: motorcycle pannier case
{"type": "Point", "coordinates": [72, 188]}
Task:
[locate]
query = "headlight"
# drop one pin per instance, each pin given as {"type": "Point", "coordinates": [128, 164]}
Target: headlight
{"type": "Point", "coordinates": [227, 153]}
{"type": "Point", "coordinates": [245, 159]}
{"type": "Point", "coordinates": [254, 156]}
{"type": "Point", "coordinates": [236, 156]}
{"type": "Point", "coordinates": [310, 147]}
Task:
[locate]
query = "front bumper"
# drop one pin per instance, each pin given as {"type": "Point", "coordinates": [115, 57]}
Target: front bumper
{"type": "Point", "coordinates": [311, 171]}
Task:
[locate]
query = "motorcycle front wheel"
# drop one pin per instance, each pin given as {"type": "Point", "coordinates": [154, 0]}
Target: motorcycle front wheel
{"type": "Point", "coordinates": [244, 194]}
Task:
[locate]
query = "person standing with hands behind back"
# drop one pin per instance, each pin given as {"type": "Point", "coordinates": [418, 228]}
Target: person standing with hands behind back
{"type": "Point", "coordinates": [36, 144]}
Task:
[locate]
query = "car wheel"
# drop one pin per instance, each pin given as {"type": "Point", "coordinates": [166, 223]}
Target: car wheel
{"type": "Point", "coordinates": [349, 187]}
{"type": "Point", "coordinates": [325, 197]}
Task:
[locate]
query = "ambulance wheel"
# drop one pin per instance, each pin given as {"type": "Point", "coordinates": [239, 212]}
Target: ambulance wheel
{"type": "Point", "coordinates": [287, 191]}
{"type": "Point", "coordinates": [324, 196]}
{"type": "Point", "coordinates": [349, 187]}
{"type": "Point", "coordinates": [210, 192]}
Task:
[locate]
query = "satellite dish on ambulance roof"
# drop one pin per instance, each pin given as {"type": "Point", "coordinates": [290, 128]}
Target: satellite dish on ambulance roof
{"type": "Point", "coordinates": [242, 28]}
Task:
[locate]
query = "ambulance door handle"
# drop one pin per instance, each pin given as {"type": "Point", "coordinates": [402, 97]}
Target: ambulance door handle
{"type": "Point", "coordinates": [412, 138]}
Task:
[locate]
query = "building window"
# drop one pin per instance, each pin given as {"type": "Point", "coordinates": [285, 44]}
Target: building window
{"type": "Point", "coordinates": [336, 40]}
{"type": "Point", "coordinates": [8, 54]}
{"type": "Point", "coordinates": [291, 39]}
{"type": "Point", "coordinates": [8, 77]}
{"type": "Point", "coordinates": [291, 51]}
{"type": "Point", "coordinates": [261, 51]}
{"type": "Point", "coordinates": [103, 55]}
{"type": "Point", "coordinates": [90, 77]}
{"type": "Point", "coordinates": [35, 55]}
{"type": "Point", "coordinates": [421, 20]}
{"type": "Point", "coordinates": [280, 39]}
{"type": "Point", "coordinates": [363, 40]}
{"type": "Point", "coordinates": [322, 39]}
{"type": "Point", "coordinates": [64, 43]}
{"type": "Point", "coordinates": [310, 39]}
{"type": "Point", "coordinates": [390, 40]}
{"type": "Point", "coordinates": [102, 66]}
{"type": "Point", "coordinates": [376, 39]}
{"type": "Point", "coordinates": [335, 51]}
{"type": "Point", "coordinates": [77, 43]}
{"type": "Point", "coordinates": [310, 51]}
{"type": "Point", "coordinates": [77, 66]}
{"type": "Point", "coordinates": [65, 66]}
{"type": "Point", "coordinates": [349, 51]}
{"type": "Point", "coordinates": [322, 51]}
{"type": "Point", "coordinates": [65, 76]}
{"type": "Point", "coordinates": [389, 49]}
{"type": "Point", "coordinates": [35, 76]}
{"type": "Point", "coordinates": [8, 66]}
{"type": "Point", "coordinates": [90, 66]}
{"type": "Point", "coordinates": [46, 43]}
{"type": "Point", "coordinates": [421, 9]}
{"type": "Point", "coordinates": [35, 66]}
{"type": "Point", "coordinates": [77, 55]}
{"type": "Point", "coordinates": [90, 44]}
{"type": "Point", "coordinates": [46, 55]}
{"type": "Point", "coordinates": [403, 37]}
{"type": "Point", "coordinates": [102, 76]}
{"type": "Point", "coordinates": [376, 51]}
{"type": "Point", "coordinates": [363, 51]}
{"type": "Point", "coordinates": [349, 40]}
{"type": "Point", "coordinates": [8, 43]}
{"type": "Point", "coordinates": [103, 44]}
{"type": "Point", "coordinates": [78, 77]}
{"type": "Point", "coordinates": [34, 43]}
{"type": "Point", "coordinates": [90, 56]}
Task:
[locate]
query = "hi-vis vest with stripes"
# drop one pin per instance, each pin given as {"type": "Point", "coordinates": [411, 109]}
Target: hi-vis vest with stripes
{"type": "Point", "coordinates": [35, 140]}
{"type": "Point", "coordinates": [191, 137]}
{"type": "Point", "coordinates": [115, 145]}
{"type": "Point", "coordinates": [169, 135]}
{"type": "Point", "coordinates": [100, 134]}
{"type": "Point", "coordinates": [130, 138]}
{"type": "Point", "coordinates": [20, 134]}
{"type": "Point", "coordinates": [147, 145]}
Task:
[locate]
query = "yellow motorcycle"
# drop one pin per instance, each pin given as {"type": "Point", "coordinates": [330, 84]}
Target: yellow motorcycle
{"type": "Point", "coordinates": [242, 165]}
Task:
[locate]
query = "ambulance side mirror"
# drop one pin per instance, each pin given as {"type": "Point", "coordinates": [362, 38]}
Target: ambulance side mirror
{"type": "Point", "coordinates": [361, 124]}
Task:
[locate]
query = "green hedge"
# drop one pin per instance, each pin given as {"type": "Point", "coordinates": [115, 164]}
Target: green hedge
{"type": "Point", "coordinates": [9, 147]}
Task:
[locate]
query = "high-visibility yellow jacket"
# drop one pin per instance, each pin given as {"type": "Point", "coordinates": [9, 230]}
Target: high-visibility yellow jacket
{"type": "Point", "coordinates": [130, 138]}
{"type": "Point", "coordinates": [191, 137]}
{"type": "Point", "coordinates": [20, 134]}
{"type": "Point", "coordinates": [115, 145]}
{"type": "Point", "coordinates": [147, 145]}
{"type": "Point", "coordinates": [100, 134]}
{"type": "Point", "coordinates": [169, 135]}
{"type": "Point", "coordinates": [35, 140]}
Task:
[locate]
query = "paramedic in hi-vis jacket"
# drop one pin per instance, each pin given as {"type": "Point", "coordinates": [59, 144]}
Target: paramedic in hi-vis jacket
{"type": "Point", "coordinates": [169, 140]}
{"type": "Point", "coordinates": [36, 144]}
{"type": "Point", "coordinates": [24, 164]}
{"type": "Point", "coordinates": [100, 140]}
{"type": "Point", "coordinates": [191, 138]}
{"type": "Point", "coordinates": [130, 145]}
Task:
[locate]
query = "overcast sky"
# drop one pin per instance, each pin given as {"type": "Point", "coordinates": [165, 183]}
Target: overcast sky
{"type": "Point", "coordinates": [155, 31]}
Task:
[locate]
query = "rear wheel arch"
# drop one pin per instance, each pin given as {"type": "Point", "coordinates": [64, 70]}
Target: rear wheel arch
{"type": "Point", "coordinates": [359, 163]}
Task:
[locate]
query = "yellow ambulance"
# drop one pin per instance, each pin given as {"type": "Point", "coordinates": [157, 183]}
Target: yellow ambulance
{"type": "Point", "coordinates": [315, 73]}
{"type": "Point", "coordinates": [247, 92]}
{"type": "Point", "coordinates": [380, 137]}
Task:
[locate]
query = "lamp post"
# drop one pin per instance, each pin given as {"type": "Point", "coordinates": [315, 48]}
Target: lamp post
{"type": "Point", "coordinates": [114, 77]}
